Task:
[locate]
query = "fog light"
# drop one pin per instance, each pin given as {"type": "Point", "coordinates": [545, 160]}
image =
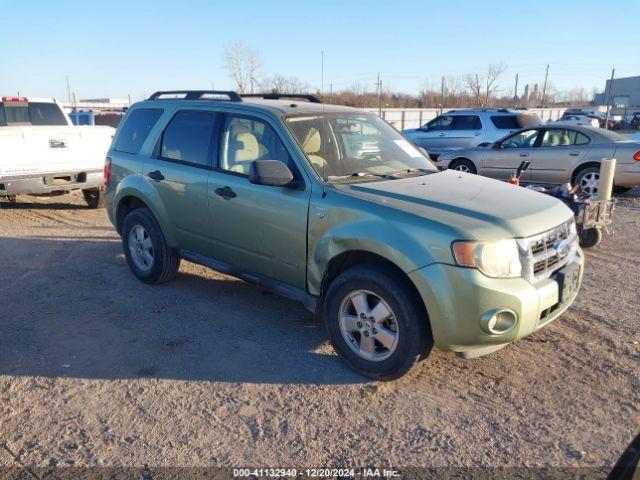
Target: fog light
{"type": "Point", "coordinates": [498, 321]}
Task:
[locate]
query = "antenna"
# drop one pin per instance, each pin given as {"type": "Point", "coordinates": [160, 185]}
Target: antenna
{"type": "Point", "coordinates": [324, 160]}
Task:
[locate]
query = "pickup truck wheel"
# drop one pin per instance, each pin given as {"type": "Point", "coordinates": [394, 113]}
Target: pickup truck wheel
{"type": "Point", "coordinates": [463, 165]}
{"type": "Point", "coordinates": [375, 323]}
{"type": "Point", "coordinates": [149, 257]}
{"type": "Point", "coordinates": [94, 197]}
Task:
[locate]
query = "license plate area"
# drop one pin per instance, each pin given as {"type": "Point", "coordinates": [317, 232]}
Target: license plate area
{"type": "Point", "coordinates": [568, 279]}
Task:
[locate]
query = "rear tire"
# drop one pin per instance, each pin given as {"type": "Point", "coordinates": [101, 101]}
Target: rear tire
{"type": "Point", "coordinates": [94, 197]}
{"type": "Point", "coordinates": [463, 165]}
{"type": "Point", "coordinates": [376, 345]}
{"type": "Point", "coordinates": [148, 255]}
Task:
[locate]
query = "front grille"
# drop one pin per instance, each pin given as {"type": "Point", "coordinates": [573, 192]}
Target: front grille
{"type": "Point", "coordinates": [545, 253]}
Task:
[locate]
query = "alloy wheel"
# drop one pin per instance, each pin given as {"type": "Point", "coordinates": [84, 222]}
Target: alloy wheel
{"type": "Point", "coordinates": [368, 325]}
{"type": "Point", "coordinates": [141, 247]}
{"type": "Point", "coordinates": [589, 183]}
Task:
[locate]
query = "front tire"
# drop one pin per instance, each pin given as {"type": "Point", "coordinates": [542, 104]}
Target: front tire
{"type": "Point", "coordinates": [463, 165]}
{"type": "Point", "coordinates": [376, 322]}
{"type": "Point", "coordinates": [94, 197]}
{"type": "Point", "coordinates": [587, 181]}
{"type": "Point", "coordinates": [149, 257]}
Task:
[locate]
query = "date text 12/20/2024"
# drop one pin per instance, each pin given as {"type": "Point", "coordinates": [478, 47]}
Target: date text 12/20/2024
{"type": "Point", "coordinates": [316, 472]}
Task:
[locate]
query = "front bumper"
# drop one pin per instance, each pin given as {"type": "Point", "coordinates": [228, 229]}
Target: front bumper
{"type": "Point", "coordinates": [456, 298]}
{"type": "Point", "coordinates": [43, 184]}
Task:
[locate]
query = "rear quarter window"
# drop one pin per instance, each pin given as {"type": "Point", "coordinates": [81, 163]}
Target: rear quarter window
{"type": "Point", "coordinates": [136, 128]}
{"type": "Point", "coordinates": [515, 122]}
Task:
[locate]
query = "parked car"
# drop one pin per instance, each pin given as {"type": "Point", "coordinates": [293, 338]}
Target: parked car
{"type": "Point", "coordinates": [577, 120]}
{"type": "Point", "coordinates": [395, 255]}
{"type": "Point", "coordinates": [460, 129]}
{"type": "Point", "coordinates": [557, 154]}
{"type": "Point", "coordinates": [42, 153]}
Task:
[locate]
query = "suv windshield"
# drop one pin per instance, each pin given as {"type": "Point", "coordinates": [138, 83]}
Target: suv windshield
{"type": "Point", "coordinates": [352, 145]}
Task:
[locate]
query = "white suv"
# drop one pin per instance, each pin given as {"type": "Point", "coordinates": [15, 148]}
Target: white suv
{"type": "Point", "coordinates": [458, 129]}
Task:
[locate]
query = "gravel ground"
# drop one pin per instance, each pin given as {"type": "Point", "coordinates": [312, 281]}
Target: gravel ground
{"type": "Point", "coordinates": [98, 369]}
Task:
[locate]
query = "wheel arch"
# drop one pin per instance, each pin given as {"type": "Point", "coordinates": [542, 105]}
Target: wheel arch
{"type": "Point", "coordinates": [582, 166]}
{"type": "Point", "coordinates": [352, 258]}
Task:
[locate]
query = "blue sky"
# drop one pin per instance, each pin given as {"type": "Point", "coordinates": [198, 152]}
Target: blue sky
{"type": "Point", "coordinates": [115, 48]}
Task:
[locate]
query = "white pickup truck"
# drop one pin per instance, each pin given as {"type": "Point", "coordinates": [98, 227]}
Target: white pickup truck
{"type": "Point", "coordinates": [42, 153]}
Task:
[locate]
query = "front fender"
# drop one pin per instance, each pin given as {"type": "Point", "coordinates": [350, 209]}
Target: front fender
{"type": "Point", "coordinates": [375, 236]}
{"type": "Point", "coordinates": [137, 186]}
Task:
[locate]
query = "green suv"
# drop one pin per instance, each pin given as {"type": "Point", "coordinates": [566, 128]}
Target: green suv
{"type": "Point", "coordinates": [331, 206]}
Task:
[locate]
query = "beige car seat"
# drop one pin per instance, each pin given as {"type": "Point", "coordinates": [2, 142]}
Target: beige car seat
{"type": "Point", "coordinates": [554, 139]}
{"type": "Point", "coordinates": [242, 150]}
{"type": "Point", "coordinates": [311, 146]}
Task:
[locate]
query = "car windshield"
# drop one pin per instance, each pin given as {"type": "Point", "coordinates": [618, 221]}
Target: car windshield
{"type": "Point", "coordinates": [349, 146]}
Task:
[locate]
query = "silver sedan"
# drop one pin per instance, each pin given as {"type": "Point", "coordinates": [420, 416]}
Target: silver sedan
{"type": "Point", "coordinates": [567, 153]}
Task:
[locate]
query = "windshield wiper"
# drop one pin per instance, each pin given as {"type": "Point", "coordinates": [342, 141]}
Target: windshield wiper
{"type": "Point", "coordinates": [361, 174]}
{"type": "Point", "coordinates": [424, 171]}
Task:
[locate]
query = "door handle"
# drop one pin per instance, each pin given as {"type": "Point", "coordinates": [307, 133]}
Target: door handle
{"type": "Point", "coordinates": [156, 175]}
{"type": "Point", "coordinates": [442, 134]}
{"type": "Point", "coordinates": [574, 154]}
{"type": "Point", "coordinates": [225, 192]}
{"type": "Point", "coordinates": [524, 155]}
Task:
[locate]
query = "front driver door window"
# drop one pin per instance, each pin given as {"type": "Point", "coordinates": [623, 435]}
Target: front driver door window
{"type": "Point", "coordinates": [504, 158]}
{"type": "Point", "coordinates": [259, 229]}
{"type": "Point", "coordinates": [434, 137]}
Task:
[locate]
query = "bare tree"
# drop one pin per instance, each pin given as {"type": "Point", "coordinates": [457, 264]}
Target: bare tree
{"type": "Point", "coordinates": [493, 74]}
{"type": "Point", "coordinates": [483, 88]}
{"type": "Point", "coordinates": [475, 88]}
{"type": "Point", "coordinates": [243, 64]}
{"type": "Point", "coordinates": [282, 84]}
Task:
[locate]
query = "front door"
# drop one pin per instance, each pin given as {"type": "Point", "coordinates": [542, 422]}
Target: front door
{"type": "Point", "coordinates": [256, 228]}
{"type": "Point", "coordinates": [505, 156]}
{"type": "Point", "coordinates": [179, 172]}
{"type": "Point", "coordinates": [559, 151]}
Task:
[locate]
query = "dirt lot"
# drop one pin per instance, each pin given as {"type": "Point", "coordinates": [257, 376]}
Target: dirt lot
{"type": "Point", "coordinates": [98, 369]}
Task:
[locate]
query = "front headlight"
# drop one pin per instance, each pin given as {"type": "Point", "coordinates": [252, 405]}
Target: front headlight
{"type": "Point", "coordinates": [494, 259]}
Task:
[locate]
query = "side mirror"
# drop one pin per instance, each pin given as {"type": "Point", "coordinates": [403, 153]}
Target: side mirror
{"type": "Point", "coordinates": [496, 146]}
{"type": "Point", "coordinates": [272, 173]}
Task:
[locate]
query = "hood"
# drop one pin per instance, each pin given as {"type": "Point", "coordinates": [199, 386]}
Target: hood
{"type": "Point", "coordinates": [474, 207]}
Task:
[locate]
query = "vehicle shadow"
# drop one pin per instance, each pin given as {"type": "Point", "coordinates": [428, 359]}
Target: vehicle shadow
{"type": "Point", "coordinates": [25, 205]}
{"type": "Point", "coordinates": [72, 309]}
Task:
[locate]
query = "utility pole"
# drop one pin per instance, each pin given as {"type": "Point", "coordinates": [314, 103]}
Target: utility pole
{"type": "Point", "coordinates": [331, 93]}
{"type": "Point", "coordinates": [515, 91]}
{"type": "Point", "coordinates": [478, 91]}
{"type": "Point", "coordinates": [442, 91]}
{"type": "Point", "coordinates": [379, 85]}
{"type": "Point", "coordinates": [606, 121]}
{"type": "Point", "coordinates": [68, 91]}
{"type": "Point", "coordinates": [321, 73]}
{"type": "Point", "coordinates": [544, 88]}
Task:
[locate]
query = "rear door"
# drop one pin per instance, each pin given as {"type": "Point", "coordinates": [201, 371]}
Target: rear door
{"type": "Point", "coordinates": [179, 169]}
{"type": "Point", "coordinates": [258, 229]}
{"type": "Point", "coordinates": [505, 156]}
{"type": "Point", "coordinates": [559, 151]}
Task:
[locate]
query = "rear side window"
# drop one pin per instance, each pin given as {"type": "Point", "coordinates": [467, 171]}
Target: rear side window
{"type": "Point", "coordinates": [514, 122]}
{"type": "Point", "coordinates": [188, 138]}
{"type": "Point", "coordinates": [135, 129]}
{"type": "Point", "coordinates": [467, 122]}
